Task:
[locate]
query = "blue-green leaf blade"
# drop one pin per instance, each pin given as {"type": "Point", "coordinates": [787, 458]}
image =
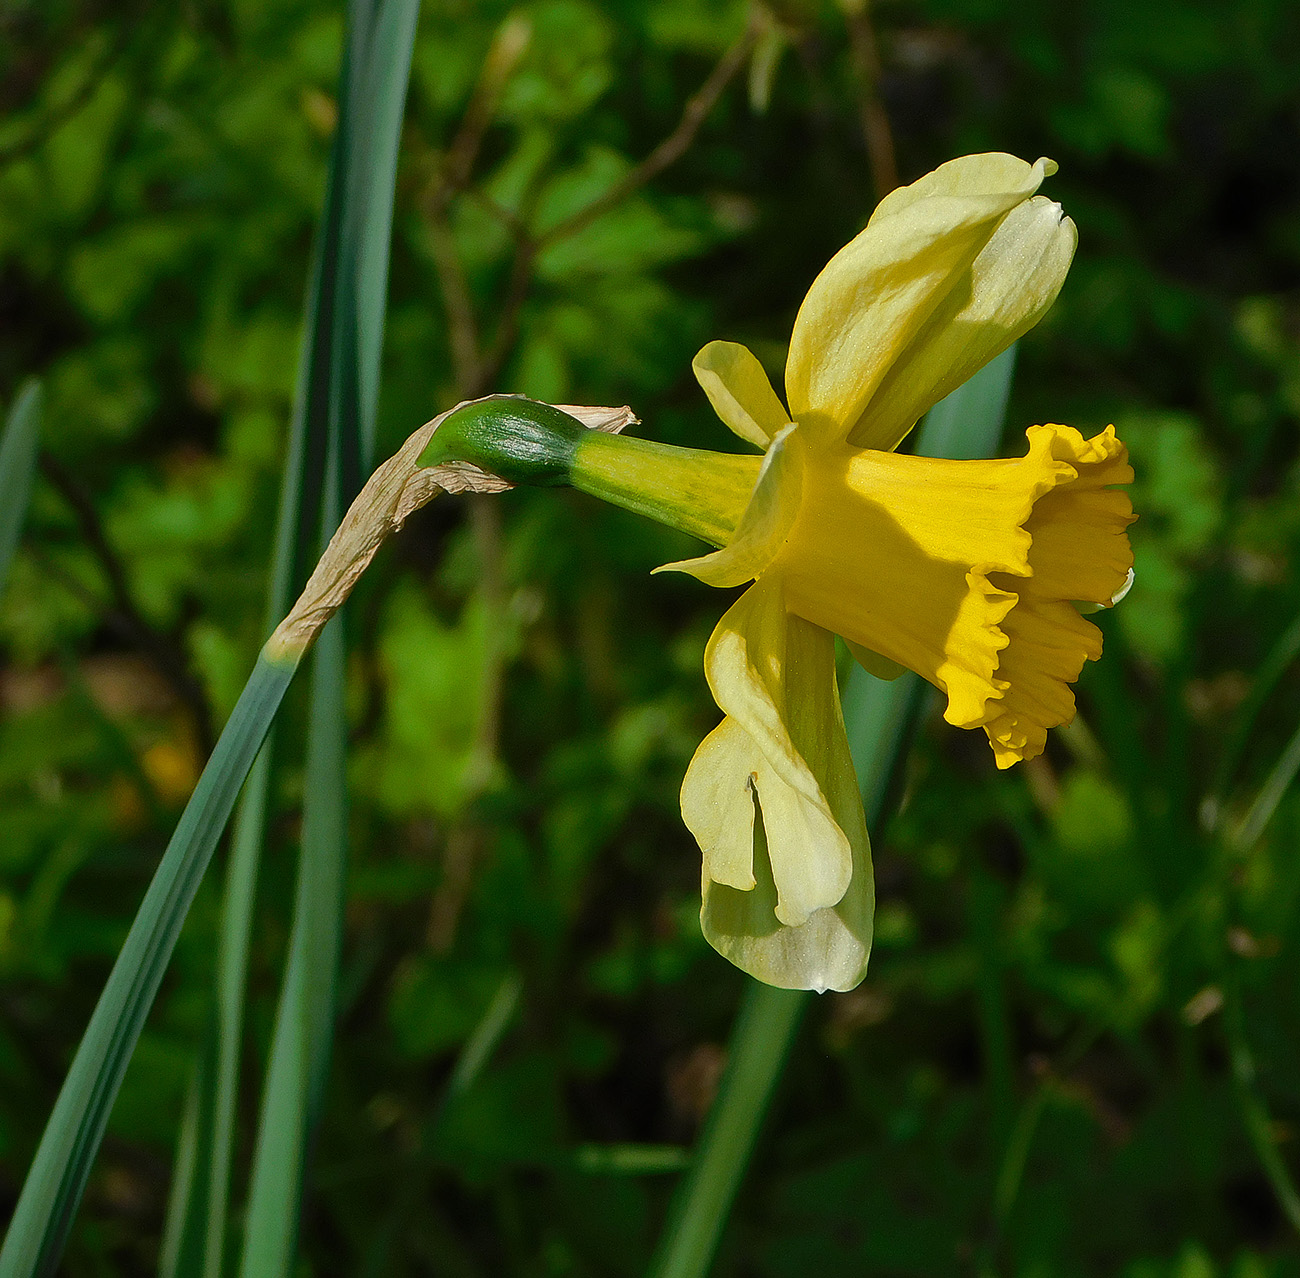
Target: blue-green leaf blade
{"type": "Point", "coordinates": [57, 1177]}
{"type": "Point", "coordinates": [19, 445]}
{"type": "Point", "coordinates": [375, 76]}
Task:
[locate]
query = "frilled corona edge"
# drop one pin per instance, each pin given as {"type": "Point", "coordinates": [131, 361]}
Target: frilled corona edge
{"type": "Point", "coordinates": [967, 572]}
{"type": "Point", "coordinates": [390, 496]}
{"type": "Point", "coordinates": [1079, 552]}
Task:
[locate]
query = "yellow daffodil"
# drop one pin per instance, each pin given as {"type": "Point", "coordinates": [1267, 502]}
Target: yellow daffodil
{"type": "Point", "coordinates": [967, 572]}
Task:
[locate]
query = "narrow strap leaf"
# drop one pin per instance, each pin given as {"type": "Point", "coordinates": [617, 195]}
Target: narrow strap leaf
{"type": "Point", "coordinates": [18, 449]}
{"type": "Point", "coordinates": [373, 93]}
{"type": "Point", "coordinates": [57, 1178]}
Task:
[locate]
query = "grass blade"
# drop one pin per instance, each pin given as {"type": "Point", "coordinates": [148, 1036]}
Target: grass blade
{"type": "Point", "coordinates": [57, 1178]}
{"type": "Point", "coordinates": [878, 716]}
{"type": "Point", "coordinates": [180, 1244]}
{"type": "Point", "coordinates": [1256, 820]}
{"type": "Point", "coordinates": [196, 1218]}
{"type": "Point", "coordinates": [1260, 1129]}
{"type": "Point", "coordinates": [195, 1231]}
{"type": "Point", "coordinates": [305, 1017]}
{"type": "Point", "coordinates": [480, 1045]}
{"type": "Point", "coordinates": [968, 423]}
{"type": "Point", "coordinates": [1274, 666]}
{"type": "Point", "coordinates": [386, 76]}
{"type": "Point", "coordinates": [18, 447]}
{"type": "Point", "coordinates": [194, 1240]}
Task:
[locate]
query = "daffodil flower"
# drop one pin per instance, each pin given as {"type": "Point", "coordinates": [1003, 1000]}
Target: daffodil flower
{"type": "Point", "coordinates": [968, 572]}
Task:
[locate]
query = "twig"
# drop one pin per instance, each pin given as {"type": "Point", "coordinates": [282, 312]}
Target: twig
{"type": "Point", "coordinates": [670, 150]}
{"type": "Point", "coordinates": [65, 110]}
{"type": "Point", "coordinates": [485, 516]}
{"type": "Point", "coordinates": [507, 217]}
{"type": "Point", "coordinates": [511, 309]}
{"type": "Point", "coordinates": [124, 614]}
{"type": "Point", "coordinates": [875, 121]}
{"type": "Point", "coordinates": [667, 153]}
{"type": "Point", "coordinates": [451, 176]}
{"type": "Point", "coordinates": [462, 326]}
{"type": "Point", "coordinates": [507, 48]}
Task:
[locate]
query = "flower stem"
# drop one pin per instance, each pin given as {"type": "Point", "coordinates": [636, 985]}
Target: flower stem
{"type": "Point", "coordinates": [765, 1030]}
{"type": "Point", "coordinates": [698, 492]}
{"type": "Point", "coordinates": [1255, 1117]}
{"type": "Point", "coordinates": [522, 441]}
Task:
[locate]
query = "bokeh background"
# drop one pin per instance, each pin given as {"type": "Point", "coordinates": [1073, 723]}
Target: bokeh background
{"type": "Point", "coordinates": [1077, 1048]}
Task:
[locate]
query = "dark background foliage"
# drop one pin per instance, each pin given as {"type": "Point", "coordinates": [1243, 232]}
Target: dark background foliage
{"type": "Point", "coordinates": [1083, 998]}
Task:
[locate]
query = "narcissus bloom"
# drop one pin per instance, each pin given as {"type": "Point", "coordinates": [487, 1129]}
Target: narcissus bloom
{"type": "Point", "coordinates": [967, 572]}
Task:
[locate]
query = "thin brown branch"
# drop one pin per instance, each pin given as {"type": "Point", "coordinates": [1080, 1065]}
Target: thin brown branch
{"type": "Point", "coordinates": [459, 857]}
{"type": "Point", "coordinates": [457, 302]}
{"type": "Point", "coordinates": [671, 149]}
{"type": "Point", "coordinates": [465, 840]}
{"type": "Point", "coordinates": [450, 178]}
{"type": "Point", "coordinates": [510, 311]}
{"type": "Point", "coordinates": [503, 57]}
{"type": "Point", "coordinates": [60, 114]}
{"type": "Point", "coordinates": [485, 517]}
{"type": "Point", "coordinates": [666, 154]}
{"type": "Point", "coordinates": [123, 614]}
{"type": "Point", "coordinates": [508, 47]}
{"type": "Point", "coordinates": [874, 119]}
{"type": "Point", "coordinates": [508, 218]}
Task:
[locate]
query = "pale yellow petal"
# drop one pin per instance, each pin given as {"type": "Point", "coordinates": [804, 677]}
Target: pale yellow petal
{"type": "Point", "coordinates": [775, 676]}
{"type": "Point", "coordinates": [1013, 281]}
{"type": "Point", "coordinates": [718, 804]}
{"type": "Point", "coordinates": [763, 526]}
{"type": "Point", "coordinates": [964, 176]}
{"type": "Point", "coordinates": [788, 898]}
{"type": "Point", "coordinates": [827, 952]}
{"type": "Point", "coordinates": [870, 301]}
{"type": "Point", "coordinates": [740, 392]}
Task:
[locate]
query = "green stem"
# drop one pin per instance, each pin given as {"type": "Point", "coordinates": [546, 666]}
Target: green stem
{"type": "Point", "coordinates": [57, 1178]}
{"type": "Point", "coordinates": [526, 442]}
{"type": "Point", "coordinates": [764, 1032]}
{"type": "Point", "coordinates": [1254, 1114]}
{"type": "Point", "coordinates": [985, 908]}
{"type": "Point", "coordinates": [232, 974]}
{"type": "Point", "coordinates": [698, 492]}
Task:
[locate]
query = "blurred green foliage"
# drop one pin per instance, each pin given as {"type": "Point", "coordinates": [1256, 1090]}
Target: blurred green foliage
{"type": "Point", "coordinates": [1038, 1075]}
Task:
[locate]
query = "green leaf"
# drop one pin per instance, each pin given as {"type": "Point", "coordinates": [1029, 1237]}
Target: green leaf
{"type": "Point", "coordinates": [347, 323]}
{"type": "Point", "coordinates": [305, 1017]}
{"type": "Point", "coordinates": [332, 432]}
{"type": "Point", "coordinates": [54, 1184]}
{"type": "Point", "coordinates": [18, 449]}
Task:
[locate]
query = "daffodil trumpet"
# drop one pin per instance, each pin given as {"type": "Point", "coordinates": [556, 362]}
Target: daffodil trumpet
{"type": "Point", "coordinates": [971, 573]}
